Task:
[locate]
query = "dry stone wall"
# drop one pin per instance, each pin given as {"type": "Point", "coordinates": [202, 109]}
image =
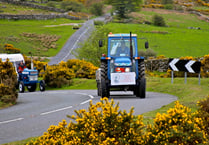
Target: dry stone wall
{"type": "Point", "coordinates": [36, 17]}
{"type": "Point", "coordinates": [33, 6]}
{"type": "Point", "coordinates": [160, 65]}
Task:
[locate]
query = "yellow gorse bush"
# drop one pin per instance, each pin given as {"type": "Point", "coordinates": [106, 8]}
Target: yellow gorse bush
{"type": "Point", "coordinates": [8, 81]}
{"type": "Point", "coordinates": [103, 123]}
{"type": "Point", "coordinates": [82, 68]}
{"type": "Point", "coordinates": [9, 48]}
{"type": "Point", "coordinates": [177, 126]}
{"type": "Point", "coordinates": [58, 75]}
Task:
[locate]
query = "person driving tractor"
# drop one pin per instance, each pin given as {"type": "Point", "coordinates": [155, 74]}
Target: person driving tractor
{"type": "Point", "coordinates": [123, 50]}
{"type": "Point", "coordinates": [21, 67]}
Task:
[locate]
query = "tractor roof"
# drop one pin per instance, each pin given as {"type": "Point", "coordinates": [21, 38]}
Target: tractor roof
{"type": "Point", "coordinates": [12, 57]}
{"type": "Point", "coordinates": [121, 35]}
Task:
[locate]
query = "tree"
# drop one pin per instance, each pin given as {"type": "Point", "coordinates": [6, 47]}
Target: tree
{"type": "Point", "coordinates": [90, 50]}
{"type": "Point", "coordinates": [122, 8]}
{"type": "Point", "coordinates": [97, 9]}
{"type": "Point", "coordinates": [158, 20]}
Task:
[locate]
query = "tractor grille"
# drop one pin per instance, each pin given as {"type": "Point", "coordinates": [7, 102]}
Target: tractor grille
{"type": "Point", "coordinates": [33, 78]}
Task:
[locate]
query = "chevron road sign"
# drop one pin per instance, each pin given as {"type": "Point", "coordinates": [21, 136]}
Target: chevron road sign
{"type": "Point", "coordinates": [190, 66]}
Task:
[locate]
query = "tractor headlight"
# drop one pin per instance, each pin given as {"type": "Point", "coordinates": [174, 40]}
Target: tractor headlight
{"type": "Point", "coordinates": [127, 69]}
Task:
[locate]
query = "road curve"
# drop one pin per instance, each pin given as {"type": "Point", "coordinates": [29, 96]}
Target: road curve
{"type": "Point", "coordinates": [73, 42]}
{"type": "Point", "coordinates": [36, 111]}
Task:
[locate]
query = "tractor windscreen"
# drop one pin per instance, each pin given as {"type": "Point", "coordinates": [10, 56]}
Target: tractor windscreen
{"type": "Point", "coordinates": [121, 47]}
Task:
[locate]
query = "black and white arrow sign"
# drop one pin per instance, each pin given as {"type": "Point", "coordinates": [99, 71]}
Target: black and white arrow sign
{"type": "Point", "coordinates": [184, 65]}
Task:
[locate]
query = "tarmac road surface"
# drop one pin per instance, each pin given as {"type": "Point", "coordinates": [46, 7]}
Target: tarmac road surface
{"type": "Point", "coordinates": [36, 111]}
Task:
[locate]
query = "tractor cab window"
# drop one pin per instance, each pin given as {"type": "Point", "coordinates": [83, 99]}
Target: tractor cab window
{"type": "Point", "coordinates": [121, 47]}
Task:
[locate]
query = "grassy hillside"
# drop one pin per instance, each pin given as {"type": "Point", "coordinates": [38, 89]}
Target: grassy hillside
{"type": "Point", "coordinates": [176, 40]}
{"type": "Point", "coordinates": [11, 33]}
{"type": "Point", "coordinates": [18, 9]}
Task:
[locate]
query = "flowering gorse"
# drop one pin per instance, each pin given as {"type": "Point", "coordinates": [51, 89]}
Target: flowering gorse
{"type": "Point", "coordinates": [8, 81]}
{"type": "Point", "coordinates": [177, 126]}
{"type": "Point", "coordinates": [104, 124]}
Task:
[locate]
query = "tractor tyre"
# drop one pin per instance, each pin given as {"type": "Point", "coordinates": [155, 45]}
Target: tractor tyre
{"type": "Point", "coordinates": [42, 85]}
{"type": "Point", "coordinates": [104, 90]}
{"type": "Point", "coordinates": [141, 82]}
{"type": "Point", "coordinates": [99, 88]}
{"type": "Point", "coordinates": [104, 85]}
{"type": "Point", "coordinates": [21, 87]}
{"type": "Point", "coordinates": [31, 88]}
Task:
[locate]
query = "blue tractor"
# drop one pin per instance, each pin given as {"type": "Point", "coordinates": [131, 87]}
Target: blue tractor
{"type": "Point", "coordinates": [27, 77]}
{"type": "Point", "coordinates": [122, 69]}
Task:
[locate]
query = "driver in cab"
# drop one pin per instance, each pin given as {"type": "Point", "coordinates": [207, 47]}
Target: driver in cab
{"type": "Point", "coordinates": [123, 50]}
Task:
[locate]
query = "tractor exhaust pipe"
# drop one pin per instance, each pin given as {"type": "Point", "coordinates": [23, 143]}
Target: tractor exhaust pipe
{"type": "Point", "coordinates": [131, 47]}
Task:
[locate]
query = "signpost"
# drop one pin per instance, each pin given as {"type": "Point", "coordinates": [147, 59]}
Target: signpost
{"type": "Point", "coordinates": [190, 66]}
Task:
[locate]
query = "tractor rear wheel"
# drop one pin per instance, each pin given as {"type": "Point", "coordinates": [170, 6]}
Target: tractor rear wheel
{"type": "Point", "coordinates": [21, 87]}
{"type": "Point", "coordinates": [104, 85]}
{"type": "Point", "coordinates": [31, 88]}
{"type": "Point", "coordinates": [42, 85]}
{"type": "Point", "coordinates": [140, 88]}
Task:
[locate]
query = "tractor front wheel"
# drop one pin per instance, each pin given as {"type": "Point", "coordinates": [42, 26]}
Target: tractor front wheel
{"type": "Point", "coordinates": [104, 89]}
{"type": "Point", "coordinates": [141, 88]}
{"type": "Point", "coordinates": [31, 88]}
{"type": "Point", "coordinates": [21, 87]}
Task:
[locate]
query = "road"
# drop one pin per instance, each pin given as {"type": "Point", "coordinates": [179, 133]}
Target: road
{"type": "Point", "coordinates": [36, 111]}
{"type": "Point", "coordinates": [73, 42]}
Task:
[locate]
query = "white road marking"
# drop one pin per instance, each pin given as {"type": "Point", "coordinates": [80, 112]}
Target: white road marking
{"type": "Point", "coordinates": [85, 102]}
{"type": "Point", "coordinates": [13, 120]}
{"type": "Point", "coordinates": [61, 109]}
{"type": "Point", "coordinates": [75, 43]}
{"type": "Point", "coordinates": [82, 94]}
{"type": "Point", "coordinates": [92, 97]}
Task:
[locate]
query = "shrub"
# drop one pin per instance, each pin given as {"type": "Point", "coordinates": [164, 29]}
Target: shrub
{"type": "Point", "coordinates": [203, 113]}
{"type": "Point", "coordinates": [72, 6]}
{"type": "Point", "coordinates": [178, 126]}
{"type": "Point", "coordinates": [82, 68]}
{"type": "Point", "coordinates": [57, 76]}
{"type": "Point", "coordinates": [89, 50]}
{"type": "Point", "coordinates": [99, 23]}
{"type": "Point", "coordinates": [9, 48]}
{"type": "Point", "coordinates": [103, 123]}
{"type": "Point", "coordinates": [97, 9]}
{"type": "Point", "coordinates": [8, 81]}
{"type": "Point", "coordinates": [205, 66]}
{"type": "Point", "coordinates": [158, 20]}
{"type": "Point", "coordinates": [40, 67]}
{"type": "Point", "coordinates": [168, 6]}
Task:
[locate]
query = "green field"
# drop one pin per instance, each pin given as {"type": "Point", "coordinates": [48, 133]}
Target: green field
{"type": "Point", "coordinates": [177, 39]}
{"type": "Point", "coordinates": [10, 31]}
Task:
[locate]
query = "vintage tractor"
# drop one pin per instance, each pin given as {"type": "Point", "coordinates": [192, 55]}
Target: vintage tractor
{"type": "Point", "coordinates": [122, 69]}
{"type": "Point", "coordinates": [28, 77]}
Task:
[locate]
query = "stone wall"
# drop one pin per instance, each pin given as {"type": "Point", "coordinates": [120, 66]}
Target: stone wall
{"type": "Point", "coordinates": [33, 6]}
{"type": "Point", "coordinates": [36, 17]}
{"type": "Point", "coordinates": [160, 65]}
